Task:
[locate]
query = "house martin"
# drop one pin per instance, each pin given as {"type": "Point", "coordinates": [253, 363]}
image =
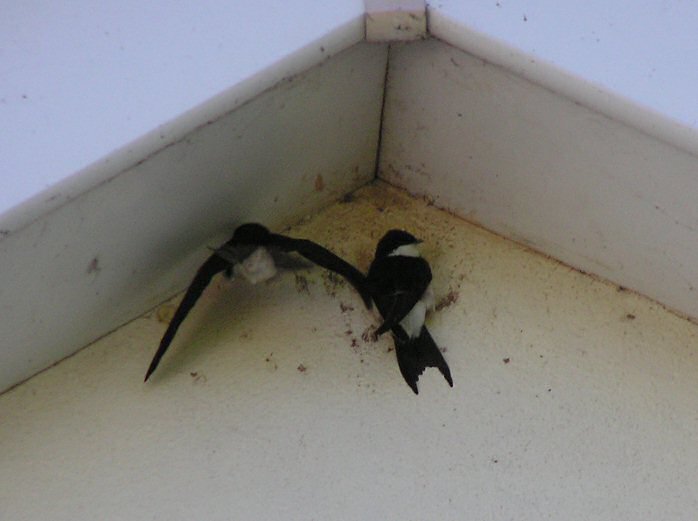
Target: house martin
{"type": "Point", "coordinates": [256, 254]}
{"type": "Point", "coordinates": [400, 283]}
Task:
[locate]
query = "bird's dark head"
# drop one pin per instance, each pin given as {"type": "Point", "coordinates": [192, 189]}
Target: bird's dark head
{"type": "Point", "coordinates": [251, 233]}
{"type": "Point", "coordinates": [393, 240]}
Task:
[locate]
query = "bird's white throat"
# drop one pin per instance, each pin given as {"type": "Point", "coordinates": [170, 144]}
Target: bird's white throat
{"type": "Point", "coordinates": [406, 250]}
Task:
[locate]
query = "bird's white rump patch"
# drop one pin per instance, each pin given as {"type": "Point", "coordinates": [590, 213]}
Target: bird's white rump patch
{"type": "Point", "coordinates": [414, 320]}
{"type": "Point", "coordinates": [258, 267]}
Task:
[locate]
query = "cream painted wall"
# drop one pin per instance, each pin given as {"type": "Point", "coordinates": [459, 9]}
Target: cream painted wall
{"type": "Point", "coordinates": [571, 400]}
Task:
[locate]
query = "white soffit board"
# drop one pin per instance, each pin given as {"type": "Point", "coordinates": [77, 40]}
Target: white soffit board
{"type": "Point", "coordinates": [80, 80]}
{"type": "Point", "coordinates": [122, 247]}
{"type": "Point", "coordinates": [636, 62]}
{"type": "Point", "coordinates": [535, 166]}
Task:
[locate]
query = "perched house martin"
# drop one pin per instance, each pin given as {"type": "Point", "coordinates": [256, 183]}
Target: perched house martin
{"type": "Point", "coordinates": [254, 253]}
{"type": "Point", "coordinates": [400, 283]}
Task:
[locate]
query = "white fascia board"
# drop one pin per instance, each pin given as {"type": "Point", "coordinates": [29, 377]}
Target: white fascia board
{"type": "Point", "coordinates": [536, 166]}
{"type": "Point", "coordinates": [395, 20]}
{"type": "Point", "coordinates": [571, 128]}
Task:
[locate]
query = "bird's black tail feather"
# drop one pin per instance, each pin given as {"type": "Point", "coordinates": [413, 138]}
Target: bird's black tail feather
{"type": "Point", "coordinates": [414, 355]}
{"type": "Point", "coordinates": [207, 271]}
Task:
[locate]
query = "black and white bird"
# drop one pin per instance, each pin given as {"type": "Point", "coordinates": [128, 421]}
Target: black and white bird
{"type": "Point", "coordinates": [400, 283]}
{"type": "Point", "coordinates": [256, 254]}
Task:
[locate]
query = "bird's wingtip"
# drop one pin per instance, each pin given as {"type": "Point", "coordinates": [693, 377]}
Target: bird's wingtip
{"type": "Point", "coordinates": [447, 375]}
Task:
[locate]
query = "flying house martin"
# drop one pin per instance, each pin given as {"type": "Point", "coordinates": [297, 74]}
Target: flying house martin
{"type": "Point", "coordinates": [254, 253]}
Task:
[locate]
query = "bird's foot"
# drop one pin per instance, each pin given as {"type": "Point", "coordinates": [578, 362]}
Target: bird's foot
{"type": "Point", "coordinates": [370, 334]}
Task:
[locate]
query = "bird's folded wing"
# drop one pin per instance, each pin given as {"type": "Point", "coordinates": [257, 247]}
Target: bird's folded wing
{"type": "Point", "coordinates": [400, 282]}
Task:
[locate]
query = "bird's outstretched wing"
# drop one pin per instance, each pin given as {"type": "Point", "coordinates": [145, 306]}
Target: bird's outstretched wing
{"type": "Point", "coordinates": [414, 355]}
{"type": "Point", "coordinates": [213, 265]}
{"type": "Point", "coordinates": [246, 239]}
{"type": "Point", "coordinates": [395, 293]}
{"type": "Point", "coordinates": [326, 259]}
